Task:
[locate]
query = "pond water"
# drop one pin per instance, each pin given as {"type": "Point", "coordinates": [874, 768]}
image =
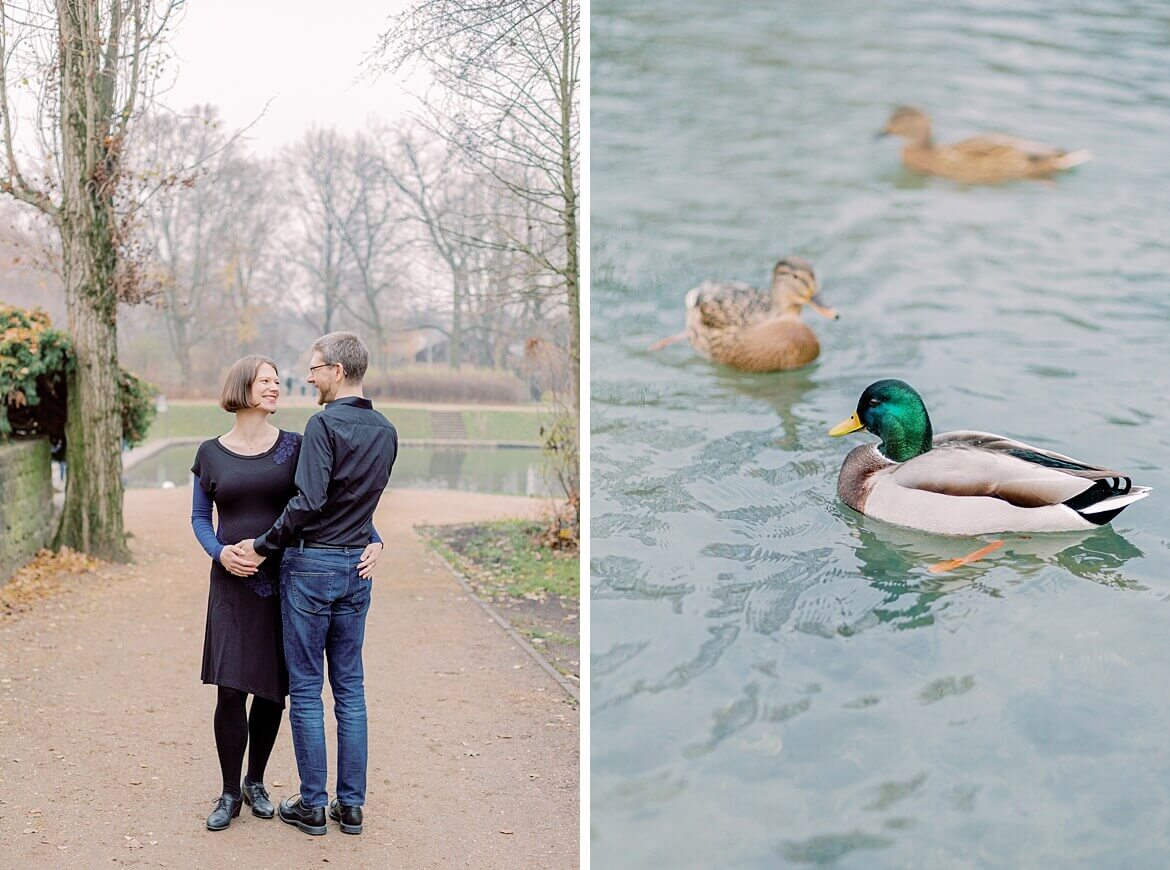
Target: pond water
{"type": "Point", "coordinates": [775, 679]}
{"type": "Point", "coordinates": [489, 470]}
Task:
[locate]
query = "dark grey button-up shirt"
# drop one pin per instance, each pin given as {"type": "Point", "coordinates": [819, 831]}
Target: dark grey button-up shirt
{"type": "Point", "coordinates": [346, 457]}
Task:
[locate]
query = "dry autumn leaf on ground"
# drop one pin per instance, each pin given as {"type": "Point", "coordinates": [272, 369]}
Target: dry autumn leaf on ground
{"type": "Point", "coordinates": [43, 576]}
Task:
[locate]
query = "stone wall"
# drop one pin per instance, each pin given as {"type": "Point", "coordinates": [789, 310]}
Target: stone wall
{"type": "Point", "coordinates": [26, 502]}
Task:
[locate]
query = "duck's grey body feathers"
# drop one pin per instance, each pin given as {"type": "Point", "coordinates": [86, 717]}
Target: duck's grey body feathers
{"type": "Point", "coordinates": [973, 483]}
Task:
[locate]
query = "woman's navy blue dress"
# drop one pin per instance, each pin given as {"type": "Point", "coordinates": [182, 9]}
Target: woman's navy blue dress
{"type": "Point", "coordinates": [242, 644]}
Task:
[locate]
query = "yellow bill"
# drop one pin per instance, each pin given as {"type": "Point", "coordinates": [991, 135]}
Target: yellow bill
{"type": "Point", "coordinates": [847, 426]}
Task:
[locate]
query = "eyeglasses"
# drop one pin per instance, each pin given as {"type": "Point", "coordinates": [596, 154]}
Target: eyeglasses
{"type": "Point", "coordinates": [322, 366]}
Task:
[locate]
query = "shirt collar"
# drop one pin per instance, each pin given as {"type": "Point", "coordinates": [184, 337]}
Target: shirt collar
{"type": "Point", "coordinates": [355, 401]}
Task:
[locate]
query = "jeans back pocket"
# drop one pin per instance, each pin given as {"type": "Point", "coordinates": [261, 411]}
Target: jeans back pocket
{"type": "Point", "coordinates": [310, 591]}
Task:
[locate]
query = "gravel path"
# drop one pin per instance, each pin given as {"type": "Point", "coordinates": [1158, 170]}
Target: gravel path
{"type": "Point", "coordinates": [106, 750]}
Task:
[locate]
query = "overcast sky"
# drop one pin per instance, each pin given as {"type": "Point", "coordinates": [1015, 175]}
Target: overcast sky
{"type": "Point", "coordinates": [306, 57]}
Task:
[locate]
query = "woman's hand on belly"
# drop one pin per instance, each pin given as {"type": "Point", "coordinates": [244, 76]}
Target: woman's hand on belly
{"type": "Point", "coordinates": [239, 560]}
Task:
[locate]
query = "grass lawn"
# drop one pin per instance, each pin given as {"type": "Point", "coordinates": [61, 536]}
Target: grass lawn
{"type": "Point", "coordinates": [502, 558]}
{"type": "Point", "coordinates": [207, 419]}
{"type": "Point", "coordinates": [493, 425]}
{"type": "Point", "coordinates": [536, 589]}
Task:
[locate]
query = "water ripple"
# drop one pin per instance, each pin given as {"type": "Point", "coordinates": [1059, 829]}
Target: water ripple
{"type": "Point", "coordinates": [727, 578]}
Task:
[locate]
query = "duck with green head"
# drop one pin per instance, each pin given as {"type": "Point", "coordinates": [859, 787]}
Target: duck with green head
{"type": "Point", "coordinates": [967, 482]}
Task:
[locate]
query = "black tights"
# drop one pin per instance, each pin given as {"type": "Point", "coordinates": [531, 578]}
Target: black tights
{"type": "Point", "coordinates": [235, 729]}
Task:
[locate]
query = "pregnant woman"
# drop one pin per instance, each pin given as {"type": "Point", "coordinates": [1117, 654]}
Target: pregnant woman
{"type": "Point", "coordinates": [248, 474]}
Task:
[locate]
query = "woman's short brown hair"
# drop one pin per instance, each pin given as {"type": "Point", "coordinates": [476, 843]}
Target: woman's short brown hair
{"type": "Point", "coordinates": [237, 387]}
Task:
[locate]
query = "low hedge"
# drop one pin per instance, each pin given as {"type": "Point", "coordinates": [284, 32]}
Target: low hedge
{"type": "Point", "coordinates": [438, 384]}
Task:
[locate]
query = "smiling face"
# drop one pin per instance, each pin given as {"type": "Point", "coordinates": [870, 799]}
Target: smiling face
{"type": "Point", "coordinates": [325, 377]}
{"type": "Point", "coordinates": [265, 391]}
{"type": "Point", "coordinates": [252, 384]}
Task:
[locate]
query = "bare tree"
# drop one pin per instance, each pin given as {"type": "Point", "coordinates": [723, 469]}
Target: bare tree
{"type": "Point", "coordinates": [209, 230]}
{"type": "Point", "coordinates": [495, 274]}
{"type": "Point", "coordinates": [509, 72]}
{"type": "Point", "coordinates": [210, 233]}
{"type": "Point", "coordinates": [186, 225]}
{"type": "Point", "coordinates": [251, 274]}
{"type": "Point", "coordinates": [496, 296]}
{"type": "Point", "coordinates": [323, 203]}
{"type": "Point", "coordinates": [430, 190]}
{"type": "Point", "coordinates": [88, 65]}
{"type": "Point", "coordinates": [372, 232]}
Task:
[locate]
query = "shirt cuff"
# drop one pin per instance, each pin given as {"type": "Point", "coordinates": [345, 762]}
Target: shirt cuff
{"type": "Point", "coordinates": [262, 546]}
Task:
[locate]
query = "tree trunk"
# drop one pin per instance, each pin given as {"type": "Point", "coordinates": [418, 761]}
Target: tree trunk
{"type": "Point", "coordinates": [327, 325]}
{"type": "Point", "coordinates": [184, 357]}
{"type": "Point", "coordinates": [499, 351]}
{"type": "Point", "coordinates": [92, 517]}
{"type": "Point", "coordinates": [377, 347]}
{"type": "Point", "coordinates": [572, 263]}
{"type": "Point", "coordinates": [180, 346]}
{"type": "Point", "coordinates": [456, 337]}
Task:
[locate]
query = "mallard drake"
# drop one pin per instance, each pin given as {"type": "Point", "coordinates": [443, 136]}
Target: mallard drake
{"type": "Point", "coordinates": [967, 483]}
{"type": "Point", "coordinates": [741, 326]}
{"type": "Point", "coordinates": [986, 159]}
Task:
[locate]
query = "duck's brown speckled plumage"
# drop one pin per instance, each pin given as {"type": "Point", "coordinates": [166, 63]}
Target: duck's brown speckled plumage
{"type": "Point", "coordinates": [738, 325]}
{"type": "Point", "coordinates": [986, 159]}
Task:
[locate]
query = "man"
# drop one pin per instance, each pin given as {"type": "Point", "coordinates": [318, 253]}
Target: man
{"type": "Point", "coordinates": [346, 457]}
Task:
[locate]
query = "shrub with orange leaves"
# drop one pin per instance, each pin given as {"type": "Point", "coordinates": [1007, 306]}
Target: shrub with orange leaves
{"type": "Point", "coordinates": [35, 360]}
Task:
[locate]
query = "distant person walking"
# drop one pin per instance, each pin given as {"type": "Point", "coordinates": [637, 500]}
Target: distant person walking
{"type": "Point", "coordinates": [344, 465]}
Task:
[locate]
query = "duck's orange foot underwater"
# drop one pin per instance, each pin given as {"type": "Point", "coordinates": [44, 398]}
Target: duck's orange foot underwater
{"type": "Point", "coordinates": [952, 564]}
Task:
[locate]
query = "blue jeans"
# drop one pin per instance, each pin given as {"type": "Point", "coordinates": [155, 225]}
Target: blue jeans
{"type": "Point", "coordinates": [324, 605]}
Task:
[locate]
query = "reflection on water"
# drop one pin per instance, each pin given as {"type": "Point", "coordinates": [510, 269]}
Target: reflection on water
{"type": "Point", "coordinates": [896, 562]}
{"type": "Point", "coordinates": [784, 395]}
{"type": "Point", "coordinates": [888, 551]}
{"type": "Point", "coordinates": [508, 472]}
{"type": "Point", "coordinates": [777, 680]}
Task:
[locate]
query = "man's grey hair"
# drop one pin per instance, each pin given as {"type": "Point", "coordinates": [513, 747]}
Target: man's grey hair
{"type": "Point", "coordinates": [347, 349]}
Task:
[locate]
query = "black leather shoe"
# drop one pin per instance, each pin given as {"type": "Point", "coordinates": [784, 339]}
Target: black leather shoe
{"type": "Point", "coordinates": [350, 817]}
{"type": "Point", "coordinates": [311, 821]}
{"type": "Point", "coordinates": [256, 796]}
{"type": "Point", "coordinates": [226, 809]}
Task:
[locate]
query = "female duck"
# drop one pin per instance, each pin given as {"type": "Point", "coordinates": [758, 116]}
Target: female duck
{"type": "Point", "coordinates": [986, 159]}
{"type": "Point", "coordinates": [738, 325]}
{"type": "Point", "coordinates": [967, 483]}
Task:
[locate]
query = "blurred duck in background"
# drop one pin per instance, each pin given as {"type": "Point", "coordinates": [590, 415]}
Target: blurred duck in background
{"type": "Point", "coordinates": [754, 330]}
{"type": "Point", "coordinates": [986, 159]}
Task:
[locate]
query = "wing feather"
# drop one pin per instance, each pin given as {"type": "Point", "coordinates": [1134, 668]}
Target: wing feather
{"type": "Point", "coordinates": [1002, 146]}
{"type": "Point", "coordinates": [970, 463]}
{"type": "Point", "coordinates": [728, 304]}
{"type": "Point", "coordinates": [1028, 452]}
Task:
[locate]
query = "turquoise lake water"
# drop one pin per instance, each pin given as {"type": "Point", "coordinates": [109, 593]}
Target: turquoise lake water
{"type": "Point", "coordinates": [777, 681]}
{"type": "Point", "coordinates": [475, 469]}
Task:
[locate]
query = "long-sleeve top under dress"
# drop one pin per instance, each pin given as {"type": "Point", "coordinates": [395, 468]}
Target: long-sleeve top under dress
{"type": "Point", "coordinates": [242, 642]}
